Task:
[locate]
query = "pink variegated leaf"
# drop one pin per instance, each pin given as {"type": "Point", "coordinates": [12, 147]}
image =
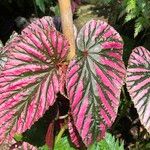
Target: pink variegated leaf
{"type": "Point", "coordinates": [138, 83]}
{"type": "Point", "coordinates": [3, 50]}
{"type": "Point", "coordinates": [39, 24]}
{"type": "Point", "coordinates": [13, 145]}
{"type": "Point", "coordinates": [3, 58]}
{"type": "Point", "coordinates": [94, 80]}
{"type": "Point", "coordinates": [29, 80]}
{"type": "Point", "coordinates": [74, 135]}
{"type": "Point", "coordinates": [27, 146]}
{"type": "Point", "coordinates": [11, 38]}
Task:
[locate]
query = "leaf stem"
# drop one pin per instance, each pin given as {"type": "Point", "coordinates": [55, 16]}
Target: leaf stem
{"type": "Point", "coordinates": [61, 132]}
{"type": "Point", "coordinates": [63, 117]}
{"type": "Point", "coordinates": [67, 25]}
{"type": "Point", "coordinates": [124, 93]}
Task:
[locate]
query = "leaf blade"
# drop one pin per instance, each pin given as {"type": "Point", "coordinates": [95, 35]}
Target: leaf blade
{"type": "Point", "coordinates": [29, 81]}
{"type": "Point", "coordinates": [94, 80]}
{"type": "Point", "coordinates": [138, 83]}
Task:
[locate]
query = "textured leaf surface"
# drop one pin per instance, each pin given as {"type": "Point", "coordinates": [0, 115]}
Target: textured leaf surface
{"type": "Point", "coordinates": [38, 25]}
{"type": "Point", "coordinates": [63, 144]}
{"type": "Point", "coordinates": [109, 143]}
{"type": "Point", "coordinates": [3, 50]}
{"type": "Point", "coordinates": [3, 58]}
{"type": "Point", "coordinates": [13, 145]}
{"type": "Point", "coordinates": [138, 83]}
{"type": "Point", "coordinates": [74, 135]}
{"type": "Point", "coordinates": [27, 146]}
{"type": "Point", "coordinates": [94, 80]}
{"type": "Point", "coordinates": [29, 81]}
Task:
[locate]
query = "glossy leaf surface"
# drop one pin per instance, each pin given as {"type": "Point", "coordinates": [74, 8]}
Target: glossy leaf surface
{"type": "Point", "coordinates": [94, 80]}
{"type": "Point", "coordinates": [29, 81]}
{"type": "Point", "coordinates": [138, 83]}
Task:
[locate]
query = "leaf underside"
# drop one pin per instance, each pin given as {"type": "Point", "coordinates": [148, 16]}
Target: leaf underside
{"type": "Point", "coordinates": [29, 81]}
{"type": "Point", "coordinates": [94, 80]}
{"type": "Point", "coordinates": [138, 83]}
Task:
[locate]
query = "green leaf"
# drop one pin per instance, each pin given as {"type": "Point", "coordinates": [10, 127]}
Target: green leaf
{"type": "Point", "coordinates": [63, 144]}
{"type": "Point", "coordinates": [44, 147]}
{"type": "Point", "coordinates": [18, 137]}
{"type": "Point", "coordinates": [131, 5]}
{"type": "Point", "coordinates": [109, 143]}
{"type": "Point", "coordinates": [129, 17]}
{"type": "Point", "coordinates": [55, 9]}
{"type": "Point", "coordinates": [41, 5]}
{"type": "Point", "coordinates": [138, 26]}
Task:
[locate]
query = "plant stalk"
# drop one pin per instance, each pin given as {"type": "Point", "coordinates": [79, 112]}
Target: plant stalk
{"type": "Point", "coordinates": [61, 132]}
{"type": "Point", "coordinates": [49, 139]}
{"type": "Point", "coordinates": [67, 25]}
